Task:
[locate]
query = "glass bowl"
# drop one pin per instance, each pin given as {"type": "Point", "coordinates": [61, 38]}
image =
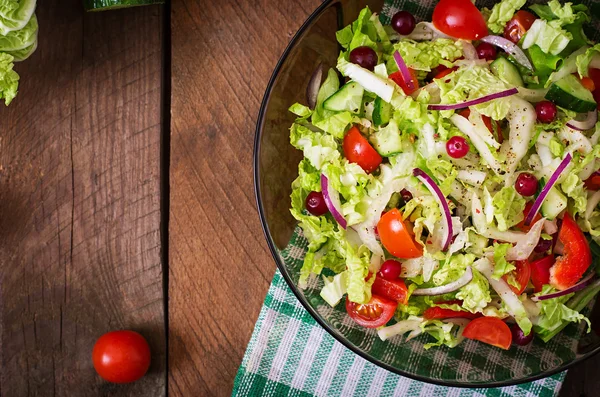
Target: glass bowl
{"type": "Point", "coordinates": [471, 364]}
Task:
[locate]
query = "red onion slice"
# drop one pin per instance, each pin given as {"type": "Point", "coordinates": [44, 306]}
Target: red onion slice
{"type": "Point", "coordinates": [450, 287]}
{"type": "Point", "coordinates": [483, 99]}
{"type": "Point", "coordinates": [312, 90]}
{"type": "Point", "coordinates": [579, 286]}
{"type": "Point", "coordinates": [509, 47]}
{"type": "Point", "coordinates": [332, 200]}
{"type": "Point", "coordinates": [537, 204]}
{"type": "Point", "coordinates": [410, 84]}
{"type": "Point", "coordinates": [588, 123]}
{"type": "Point", "coordinates": [441, 199]}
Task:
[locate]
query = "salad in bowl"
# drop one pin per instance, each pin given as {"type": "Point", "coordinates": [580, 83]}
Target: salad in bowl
{"type": "Point", "coordinates": [450, 183]}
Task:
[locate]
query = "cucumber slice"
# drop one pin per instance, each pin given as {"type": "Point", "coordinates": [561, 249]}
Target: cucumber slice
{"type": "Point", "coordinates": [387, 141]}
{"type": "Point", "coordinates": [506, 72]}
{"type": "Point", "coordinates": [349, 98]}
{"type": "Point", "coordinates": [554, 204]}
{"type": "Point", "coordinates": [104, 5]}
{"type": "Point", "coordinates": [570, 94]}
{"type": "Point", "coordinates": [382, 112]}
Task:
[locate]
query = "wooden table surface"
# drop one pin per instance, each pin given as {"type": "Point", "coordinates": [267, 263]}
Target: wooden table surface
{"type": "Point", "coordinates": [126, 168]}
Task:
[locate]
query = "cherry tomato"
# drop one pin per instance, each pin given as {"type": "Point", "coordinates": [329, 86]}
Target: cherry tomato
{"type": "Point", "coordinates": [593, 182]}
{"type": "Point", "coordinates": [490, 330]}
{"type": "Point", "coordinates": [397, 236]}
{"type": "Point", "coordinates": [540, 272]}
{"type": "Point", "coordinates": [121, 356]}
{"type": "Point", "coordinates": [435, 312]}
{"type": "Point", "coordinates": [459, 19]}
{"type": "Point", "coordinates": [576, 258]}
{"type": "Point", "coordinates": [394, 290]}
{"type": "Point", "coordinates": [358, 150]}
{"type": "Point", "coordinates": [398, 78]}
{"type": "Point", "coordinates": [374, 314]}
{"type": "Point", "coordinates": [521, 225]}
{"type": "Point", "coordinates": [492, 125]}
{"type": "Point", "coordinates": [594, 74]}
{"type": "Point", "coordinates": [518, 25]}
{"type": "Point", "coordinates": [587, 83]}
{"type": "Point", "coordinates": [522, 274]}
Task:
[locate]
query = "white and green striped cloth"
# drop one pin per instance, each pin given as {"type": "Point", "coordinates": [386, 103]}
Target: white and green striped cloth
{"type": "Point", "coordinates": [289, 354]}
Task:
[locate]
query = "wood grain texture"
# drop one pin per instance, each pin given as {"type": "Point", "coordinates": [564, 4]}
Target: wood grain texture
{"type": "Point", "coordinates": [80, 193]}
{"type": "Point", "coordinates": [223, 53]}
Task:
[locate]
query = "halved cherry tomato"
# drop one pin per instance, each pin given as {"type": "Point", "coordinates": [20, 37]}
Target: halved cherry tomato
{"type": "Point", "coordinates": [374, 314]}
{"type": "Point", "coordinates": [492, 125]}
{"type": "Point", "coordinates": [521, 225]}
{"type": "Point", "coordinates": [593, 182]}
{"type": "Point", "coordinates": [436, 312]}
{"type": "Point", "coordinates": [358, 150]}
{"type": "Point", "coordinates": [397, 237]}
{"type": "Point", "coordinates": [459, 19]}
{"type": "Point", "coordinates": [540, 272]}
{"type": "Point", "coordinates": [522, 274]}
{"type": "Point", "coordinates": [490, 330]}
{"type": "Point", "coordinates": [518, 25]}
{"type": "Point", "coordinates": [391, 289]}
{"type": "Point", "coordinates": [398, 78]}
{"type": "Point", "coordinates": [576, 258]}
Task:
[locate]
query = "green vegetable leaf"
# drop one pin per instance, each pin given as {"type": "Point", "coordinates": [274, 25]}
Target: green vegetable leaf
{"type": "Point", "coordinates": [549, 36]}
{"type": "Point", "coordinates": [426, 55]}
{"type": "Point", "coordinates": [9, 79]}
{"type": "Point", "coordinates": [583, 60]}
{"type": "Point", "coordinates": [476, 294]}
{"type": "Point", "coordinates": [508, 208]}
{"type": "Point", "coordinates": [501, 265]}
{"type": "Point", "coordinates": [443, 333]}
{"type": "Point", "coordinates": [453, 268]}
{"type": "Point", "coordinates": [15, 14]}
{"type": "Point", "coordinates": [573, 187]}
{"type": "Point", "coordinates": [318, 148]}
{"type": "Point", "coordinates": [501, 13]}
{"type": "Point", "coordinates": [357, 262]}
{"type": "Point", "coordinates": [554, 313]}
{"type": "Point", "coordinates": [20, 39]}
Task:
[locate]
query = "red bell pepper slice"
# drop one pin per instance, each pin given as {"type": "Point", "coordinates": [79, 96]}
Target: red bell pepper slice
{"type": "Point", "coordinates": [576, 258]}
{"type": "Point", "coordinates": [540, 272]}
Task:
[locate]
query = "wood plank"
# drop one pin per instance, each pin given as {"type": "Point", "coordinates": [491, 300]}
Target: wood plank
{"type": "Point", "coordinates": [80, 194]}
{"type": "Point", "coordinates": [219, 265]}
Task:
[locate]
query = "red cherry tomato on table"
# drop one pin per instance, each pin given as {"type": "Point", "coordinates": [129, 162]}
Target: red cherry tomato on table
{"type": "Point", "coordinates": [398, 78]}
{"type": "Point", "coordinates": [437, 313]}
{"type": "Point", "coordinates": [358, 150]}
{"type": "Point", "coordinates": [394, 290]}
{"type": "Point", "coordinates": [522, 274]}
{"type": "Point", "coordinates": [518, 25]}
{"type": "Point", "coordinates": [121, 356]}
{"type": "Point", "coordinates": [576, 257]}
{"type": "Point", "coordinates": [459, 19]}
{"type": "Point", "coordinates": [540, 272]}
{"type": "Point", "coordinates": [490, 330]}
{"type": "Point", "coordinates": [374, 314]}
{"type": "Point", "coordinates": [397, 237]}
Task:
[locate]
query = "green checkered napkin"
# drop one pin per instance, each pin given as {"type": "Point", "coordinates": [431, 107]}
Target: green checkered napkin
{"type": "Point", "coordinates": [290, 354]}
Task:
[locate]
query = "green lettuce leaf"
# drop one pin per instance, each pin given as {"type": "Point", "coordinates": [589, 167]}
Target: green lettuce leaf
{"type": "Point", "coordinates": [15, 14]}
{"type": "Point", "coordinates": [508, 208]}
{"type": "Point", "coordinates": [471, 83]}
{"type": "Point", "coordinates": [501, 13]}
{"type": "Point", "coordinates": [453, 268]}
{"type": "Point", "coordinates": [583, 60]}
{"type": "Point", "coordinates": [549, 36]}
{"type": "Point", "coordinates": [318, 148]}
{"type": "Point", "coordinates": [335, 288]}
{"type": "Point", "coordinates": [20, 39]}
{"type": "Point", "coordinates": [573, 187]}
{"type": "Point", "coordinates": [357, 262]}
{"type": "Point", "coordinates": [476, 294]}
{"type": "Point", "coordinates": [443, 333]}
{"type": "Point", "coordinates": [9, 79]}
{"type": "Point", "coordinates": [554, 313]}
{"type": "Point", "coordinates": [566, 14]}
{"type": "Point", "coordinates": [426, 55]}
{"type": "Point", "coordinates": [501, 265]}
{"type": "Point", "coordinates": [444, 172]}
